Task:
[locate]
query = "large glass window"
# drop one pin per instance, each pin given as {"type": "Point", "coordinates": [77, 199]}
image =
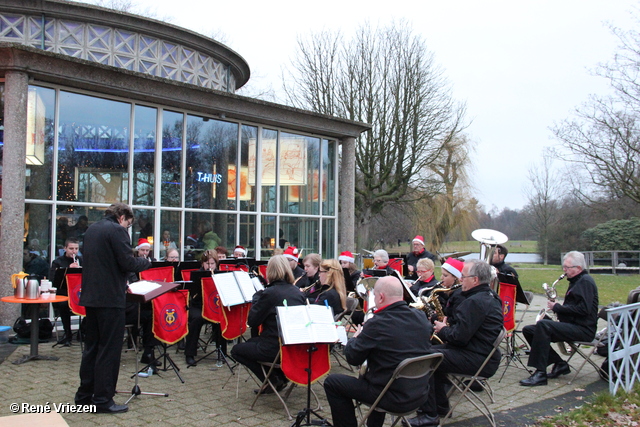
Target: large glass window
{"type": "Point", "coordinates": [247, 236]}
{"type": "Point", "coordinates": [93, 149]}
{"type": "Point", "coordinates": [144, 148]}
{"type": "Point", "coordinates": [170, 236]}
{"type": "Point", "coordinates": [268, 231]}
{"type": "Point", "coordinates": [299, 167]}
{"type": "Point", "coordinates": [302, 233]}
{"type": "Point", "coordinates": [328, 238]}
{"type": "Point", "coordinates": [40, 115]}
{"type": "Point", "coordinates": [142, 227]}
{"type": "Point", "coordinates": [211, 150]}
{"type": "Point", "coordinates": [328, 177]}
{"type": "Point", "coordinates": [37, 220]}
{"type": "Point", "coordinates": [248, 163]}
{"type": "Point", "coordinates": [73, 221]}
{"type": "Point", "coordinates": [172, 125]}
{"type": "Point", "coordinates": [269, 157]}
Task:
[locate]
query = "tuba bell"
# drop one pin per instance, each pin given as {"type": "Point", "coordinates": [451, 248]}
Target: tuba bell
{"type": "Point", "coordinates": [489, 240]}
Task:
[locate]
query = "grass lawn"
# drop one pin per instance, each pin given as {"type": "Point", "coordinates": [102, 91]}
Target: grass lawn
{"type": "Point", "coordinates": [610, 288]}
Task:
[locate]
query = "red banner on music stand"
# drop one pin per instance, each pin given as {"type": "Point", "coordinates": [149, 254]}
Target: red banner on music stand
{"type": "Point", "coordinates": [74, 289]}
{"type": "Point", "coordinates": [158, 274]}
{"type": "Point", "coordinates": [170, 319]}
{"type": "Point", "coordinates": [211, 305]}
{"type": "Point", "coordinates": [234, 320]}
{"type": "Point", "coordinates": [295, 362]}
{"type": "Point", "coordinates": [508, 297]}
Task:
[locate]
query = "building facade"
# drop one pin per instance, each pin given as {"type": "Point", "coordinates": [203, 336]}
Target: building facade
{"type": "Point", "coordinates": [101, 107]}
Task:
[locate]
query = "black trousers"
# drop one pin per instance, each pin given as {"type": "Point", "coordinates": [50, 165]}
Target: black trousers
{"type": "Point", "coordinates": [196, 322]}
{"type": "Point", "coordinates": [457, 361]}
{"type": "Point", "coordinates": [543, 333]}
{"type": "Point", "coordinates": [341, 390]}
{"type": "Point", "coordinates": [256, 350]}
{"type": "Point", "coordinates": [103, 332]}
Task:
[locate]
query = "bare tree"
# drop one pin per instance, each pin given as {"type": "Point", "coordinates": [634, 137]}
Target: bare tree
{"type": "Point", "coordinates": [385, 77]}
{"type": "Point", "coordinates": [543, 195]}
{"type": "Point", "coordinates": [603, 139]}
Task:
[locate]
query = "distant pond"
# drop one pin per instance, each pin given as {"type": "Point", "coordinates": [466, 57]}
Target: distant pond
{"type": "Point", "coordinates": [513, 258]}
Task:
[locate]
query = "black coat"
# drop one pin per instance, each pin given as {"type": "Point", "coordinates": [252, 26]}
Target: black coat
{"type": "Point", "coordinates": [505, 268]}
{"type": "Point", "coordinates": [418, 285]}
{"type": "Point", "coordinates": [393, 334]}
{"type": "Point", "coordinates": [331, 296]}
{"type": "Point", "coordinates": [300, 273]}
{"type": "Point", "coordinates": [580, 305]}
{"type": "Point", "coordinates": [63, 261]}
{"type": "Point", "coordinates": [263, 309]}
{"type": "Point", "coordinates": [108, 259]}
{"type": "Point", "coordinates": [479, 321]}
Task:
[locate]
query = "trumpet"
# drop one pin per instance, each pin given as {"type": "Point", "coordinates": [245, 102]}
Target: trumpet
{"type": "Point", "coordinates": [552, 294]}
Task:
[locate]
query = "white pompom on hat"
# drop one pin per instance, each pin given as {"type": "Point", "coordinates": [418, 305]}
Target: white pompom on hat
{"type": "Point", "coordinates": [292, 253]}
{"type": "Point", "coordinates": [346, 256]}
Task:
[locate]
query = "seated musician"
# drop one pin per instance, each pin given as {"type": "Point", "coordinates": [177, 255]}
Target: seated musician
{"type": "Point", "coordinates": [497, 261]}
{"type": "Point", "coordinates": [396, 332]}
{"type": "Point", "coordinates": [426, 279]}
{"type": "Point", "coordinates": [209, 261]}
{"type": "Point", "coordinates": [266, 346]}
{"type": "Point", "coordinates": [332, 288]}
{"type": "Point", "coordinates": [451, 271]}
{"type": "Point", "coordinates": [381, 261]}
{"type": "Point", "coordinates": [311, 264]}
{"type": "Point", "coordinates": [578, 318]}
{"type": "Point", "coordinates": [300, 278]}
{"type": "Point", "coordinates": [69, 259]}
{"type": "Point", "coordinates": [419, 252]}
{"type": "Point", "coordinates": [468, 342]}
{"type": "Point", "coordinates": [347, 261]}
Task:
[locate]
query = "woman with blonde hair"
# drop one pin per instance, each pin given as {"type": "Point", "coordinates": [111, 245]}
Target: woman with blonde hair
{"type": "Point", "coordinates": [333, 289]}
{"type": "Point", "coordinates": [266, 346]}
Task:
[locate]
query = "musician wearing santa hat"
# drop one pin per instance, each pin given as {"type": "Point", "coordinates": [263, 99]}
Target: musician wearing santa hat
{"type": "Point", "coordinates": [292, 254]}
{"type": "Point", "coordinates": [239, 252]}
{"type": "Point", "coordinates": [419, 252]}
{"type": "Point", "coordinates": [144, 249]}
{"type": "Point", "coordinates": [347, 261]}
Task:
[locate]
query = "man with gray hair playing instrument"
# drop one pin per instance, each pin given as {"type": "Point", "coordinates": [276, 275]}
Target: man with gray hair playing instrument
{"type": "Point", "coordinates": [467, 341]}
{"type": "Point", "coordinates": [395, 332]}
{"type": "Point", "coordinates": [578, 318]}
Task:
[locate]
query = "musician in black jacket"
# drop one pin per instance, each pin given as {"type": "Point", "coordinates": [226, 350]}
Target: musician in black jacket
{"type": "Point", "coordinates": [497, 261]}
{"type": "Point", "coordinates": [69, 259]}
{"type": "Point", "coordinates": [578, 317]}
{"type": "Point", "coordinates": [265, 347]}
{"type": "Point", "coordinates": [419, 252]}
{"type": "Point", "coordinates": [300, 278]}
{"type": "Point", "coordinates": [108, 259]}
{"type": "Point", "coordinates": [468, 342]}
{"type": "Point", "coordinates": [396, 332]}
{"type": "Point", "coordinates": [426, 278]}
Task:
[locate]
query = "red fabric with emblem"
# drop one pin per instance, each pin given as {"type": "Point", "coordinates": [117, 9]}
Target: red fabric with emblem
{"type": "Point", "coordinates": [170, 319]}
{"type": "Point", "coordinates": [508, 297]}
{"type": "Point", "coordinates": [74, 289]}
{"type": "Point", "coordinates": [234, 320]}
{"type": "Point", "coordinates": [294, 360]}
{"type": "Point", "coordinates": [211, 305]}
{"type": "Point", "coordinates": [158, 274]}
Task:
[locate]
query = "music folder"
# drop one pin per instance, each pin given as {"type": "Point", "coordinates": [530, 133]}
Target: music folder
{"type": "Point", "coordinates": [234, 288]}
{"type": "Point", "coordinates": [145, 290]}
{"type": "Point", "coordinates": [307, 324]}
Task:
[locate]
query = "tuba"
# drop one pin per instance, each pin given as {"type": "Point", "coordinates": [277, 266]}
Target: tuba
{"type": "Point", "coordinates": [489, 240]}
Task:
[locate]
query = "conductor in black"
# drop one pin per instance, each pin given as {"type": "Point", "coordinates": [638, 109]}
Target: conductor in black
{"type": "Point", "coordinates": [108, 259]}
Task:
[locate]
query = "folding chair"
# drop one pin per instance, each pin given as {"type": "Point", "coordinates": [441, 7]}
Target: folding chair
{"type": "Point", "coordinates": [267, 369]}
{"type": "Point", "coordinates": [344, 319]}
{"type": "Point", "coordinates": [414, 368]}
{"type": "Point", "coordinates": [463, 382]}
{"type": "Point", "coordinates": [577, 348]}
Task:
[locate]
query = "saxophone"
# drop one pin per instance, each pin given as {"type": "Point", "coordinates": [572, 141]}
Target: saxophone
{"type": "Point", "coordinates": [431, 305]}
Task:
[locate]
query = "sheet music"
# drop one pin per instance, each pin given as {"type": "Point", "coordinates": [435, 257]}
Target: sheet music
{"type": "Point", "coordinates": [257, 284]}
{"type": "Point", "coordinates": [245, 284]}
{"type": "Point", "coordinates": [142, 287]}
{"type": "Point", "coordinates": [306, 324]}
{"type": "Point", "coordinates": [228, 289]}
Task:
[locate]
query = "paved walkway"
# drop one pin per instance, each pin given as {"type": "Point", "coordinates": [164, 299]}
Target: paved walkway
{"type": "Point", "coordinates": [205, 400]}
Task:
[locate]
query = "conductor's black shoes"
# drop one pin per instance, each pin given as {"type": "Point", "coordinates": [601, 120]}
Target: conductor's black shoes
{"type": "Point", "coordinates": [113, 409]}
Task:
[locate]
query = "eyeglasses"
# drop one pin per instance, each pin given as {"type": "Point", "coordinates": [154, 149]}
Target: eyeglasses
{"type": "Point", "coordinates": [464, 277]}
{"type": "Point", "coordinates": [421, 271]}
{"type": "Point", "coordinates": [323, 271]}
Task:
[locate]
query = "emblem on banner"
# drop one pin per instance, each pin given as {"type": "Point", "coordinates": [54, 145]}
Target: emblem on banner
{"type": "Point", "coordinates": [170, 316]}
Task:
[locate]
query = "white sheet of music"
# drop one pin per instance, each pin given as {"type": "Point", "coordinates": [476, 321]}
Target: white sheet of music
{"type": "Point", "coordinates": [142, 287]}
{"type": "Point", "coordinates": [245, 284]}
{"type": "Point", "coordinates": [257, 285]}
{"type": "Point", "coordinates": [306, 324]}
{"type": "Point", "coordinates": [228, 289]}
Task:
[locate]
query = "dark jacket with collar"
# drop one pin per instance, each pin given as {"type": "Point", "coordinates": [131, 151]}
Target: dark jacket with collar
{"type": "Point", "coordinates": [393, 334]}
{"type": "Point", "coordinates": [479, 321]}
{"type": "Point", "coordinates": [263, 309]}
{"type": "Point", "coordinates": [580, 305]}
{"type": "Point", "coordinates": [505, 268]}
{"type": "Point", "coordinates": [419, 285]}
{"type": "Point", "coordinates": [108, 259]}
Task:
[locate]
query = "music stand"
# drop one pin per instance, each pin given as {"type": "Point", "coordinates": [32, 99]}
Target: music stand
{"type": "Point", "coordinates": [60, 284]}
{"type": "Point", "coordinates": [141, 299]}
{"type": "Point", "coordinates": [318, 328]}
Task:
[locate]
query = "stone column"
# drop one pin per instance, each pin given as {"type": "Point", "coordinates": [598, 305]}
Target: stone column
{"type": "Point", "coordinates": [347, 182]}
{"type": "Point", "coordinates": [13, 180]}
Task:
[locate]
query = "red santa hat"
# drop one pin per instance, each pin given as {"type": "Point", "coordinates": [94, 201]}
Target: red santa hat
{"type": "Point", "coordinates": [143, 243]}
{"type": "Point", "coordinates": [346, 256]}
{"type": "Point", "coordinates": [454, 266]}
{"type": "Point", "coordinates": [240, 249]}
{"type": "Point", "coordinates": [292, 253]}
{"type": "Point", "coordinates": [418, 239]}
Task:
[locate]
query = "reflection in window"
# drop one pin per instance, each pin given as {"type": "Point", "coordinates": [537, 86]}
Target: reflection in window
{"type": "Point", "coordinates": [268, 158]}
{"type": "Point", "coordinates": [144, 148]}
{"type": "Point", "coordinates": [93, 149]}
{"type": "Point", "coordinates": [170, 232]}
{"type": "Point", "coordinates": [73, 221]}
{"type": "Point", "coordinates": [328, 238]}
{"type": "Point", "coordinates": [172, 125]}
{"type": "Point", "coordinates": [248, 162]}
{"type": "Point", "coordinates": [269, 236]}
{"type": "Point", "coordinates": [328, 178]}
{"type": "Point", "coordinates": [40, 119]}
{"type": "Point", "coordinates": [248, 233]}
{"type": "Point", "coordinates": [211, 151]}
{"type": "Point", "coordinates": [37, 226]}
{"type": "Point", "coordinates": [299, 167]}
{"type": "Point", "coordinates": [301, 232]}
{"type": "Point", "coordinates": [205, 231]}
{"type": "Point", "coordinates": [142, 227]}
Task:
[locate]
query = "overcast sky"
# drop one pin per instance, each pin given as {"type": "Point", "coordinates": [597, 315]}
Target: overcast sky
{"type": "Point", "coordinates": [520, 65]}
